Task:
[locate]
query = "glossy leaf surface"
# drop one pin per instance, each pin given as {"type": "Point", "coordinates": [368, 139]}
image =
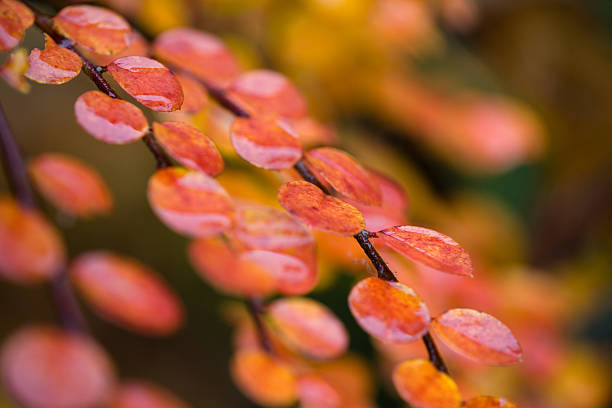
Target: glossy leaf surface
{"type": "Point", "coordinates": [53, 65]}
{"type": "Point", "coordinates": [31, 249]}
{"type": "Point", "coordinates": [94, 28]}
{"type": "Point", "coordinates": [14, 68]}
{"type": "Point", "coordinates": [109, 120]}
{"type": "Point", "coordinates": [199, 53]}
{"type": "Point", "coordinates": [46, 367]}
{"type": "Point", "coordinates": [309, 326]}
{"type": "Point", "coordinates": [308, 203]}
{"type": "Point", "coordinates": [148, 81]}
{"type": "Point", "coordinates": [267, 93]}
{"type": "Point", "coordinates": [488, 402]}
{"type": "Point", "coordinates": [344, 174]}
{"type": "Point", "coordinates": [141, 394]}
{"type": "Point", "coordinates": [389, 311]}
{"type": "Point", "coordinates": [190, 202]}
{"type": "Point", "coordinates": [127, 293]}
{"type": "Point", "coordinates": [71, 185]}
{"type": "Point", "coordinates": [189, 146]}
{"type": "Point", "coordinates": [421, 385]}
{"type": "Point", "coordinates": [429, 248]}
{"type": "Point", "coordinates": [11, 25]}
{"type": "Point", "coordinates": [266, 142]}
{"type": "Point", "coordinates": [478, 336]}
{"type": "Point", "coordinates": [195, 96]}
{"type": "Point", "coordinates": [263, 378]}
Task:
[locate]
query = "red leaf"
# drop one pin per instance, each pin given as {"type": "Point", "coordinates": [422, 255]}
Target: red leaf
{"type": "Point", "coordinates": [429, 248]}
{"type": "Point", "coordinates": [421, 385]}
{"type": "Point", "coordinates": [11, 25]}
{"type": "Point", "coordinates": [195, 96]}
{"type": "Point", "coordinates": [141, 394]}
{"type": "Point", "coordinates": [488, 402]}
{"type": "Point", "coordinates": [53, 65]}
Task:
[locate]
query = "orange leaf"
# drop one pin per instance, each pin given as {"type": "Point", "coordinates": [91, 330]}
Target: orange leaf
{"type": "Point", "coordinates": [478, 336]}
{"type": "Point", "coordinates": [314, 392]}
{"type": "Point", "coordinates": [109, 120]}
{"type": "Point", "coordinates": [421, 385]}
{"type": "Point", "coordinates": [198, 52]}
{"type": "Point", "coordinates": [344, 174]}
{"type": "Point", "coordinates": [94, 28]}
{"type": "Point", "coordinates": [127, 293]}
{"type": "Point", "coordinates": [53, 65]}
{"type": "Point", "coordinates": [11, 25]}
{"type": "Point", "coordinates": [263, 92]}
{"type": "Point", "coordinates": [308, 203]}
{"type": "Point", "coordinates": [389, 311]}
{"type": "Point", "coordinates": [46, 367]}
{"type": "Point", "coordinates": [14, 68]}
{"type": "Point", "coordinates": [227, 271]}
{"type": "Point", "coordinates": [31, 249]}
{"type": "Point", "coordinates": [195, 96]}
{"type": "Point", "coordinates": [71, 185]}
{"type": "Point", "coordinates": [429, 248]}
{"type": "Point", "coordinates": [141, 394]}
{"type": "Point", "coordinates": [309, 326]}
{"type": "Point", "coordinates": [25, 15]}
{"type": "Point", "coordinates": [190, 202]}
{"type": "Point", "coordinates": [138, 46]}
{"type": "Point", "coordinates": [266, 142]}
{"type": "Point", "coordinates": [488, 402]}
{"type": "Point", "coordinates": [263, 378]}
{"type": "Point", "coordinates": [148, 81]}
{"type": "Point", "coordinates": [313, 132]}
{"type": "Point", "coordinates": [189, 146]}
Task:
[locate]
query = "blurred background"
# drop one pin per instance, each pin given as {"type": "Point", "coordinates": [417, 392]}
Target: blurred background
{"type": "Point", "coordinates": [494, 115]}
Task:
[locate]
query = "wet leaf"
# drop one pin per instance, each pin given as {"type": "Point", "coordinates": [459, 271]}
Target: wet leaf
{"type": "Point", "coordinates": [263, 378]}
{"type": "Point", "coordinates": [478, 336]}
{"type": "Point", "coordinates": [314, 392]}
{"type": "Point", "coordinates": [94, 28]}
{"type": "Point", "coordinates": [421, 385]}
{"type": "Point", "coordinates": [71, 185]}
{"type": "Point", "coordinates": [109, 120]}
{"type": "Point", "coordinates": [267, 142]}
{"type": "Point", "coordinates": [138, 46]}
{"type": "Point", "coordinates": [31, 249]}
{"type": "Point", "coordinates": [198, 52]}
{"type": "Point", "coordinates": [309, 326]}
{"type": "Point", "coordinates": [141, 394]}
{"type": "Point", "coordinates": [344, 174]}
{"type": "Point", "coordinates": [46, 367]}
{"type": "Point", "coordinates": [429, 248]}
{"type": "Point", "coordinates": [14, 68]}
{"type": "Point", "coordinates": [11, 25]}
{"type": "Point", "coordinates": [53, 65]}
{"type": "Point", "coordinates": [389, 311]}
{"type": "Point", "coordinates": [308, 203]}
{"type": "Point", "coordinates": [189, 146]}
{"type": "Point", "coordinates": [148, 81]}
{"type": "Point", "coordinates": [195, 96]}
{"type": "Point", "coordinates": [267, 93]}
{"type": "Point", "coordinates": [127, 293]}
{"type": "Point", "coordinates": [190, 202]}
{"type": "Point", "coordinates": [488, 402]}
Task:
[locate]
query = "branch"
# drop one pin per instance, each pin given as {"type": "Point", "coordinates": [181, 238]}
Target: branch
{"type": "Point", "coordinates": [254, 306]}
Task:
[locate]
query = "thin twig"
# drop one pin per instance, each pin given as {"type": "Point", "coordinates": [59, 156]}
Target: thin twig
{"type": "Point", "coordinates": [434, 355]}
{"type": "Point", "coordinates": [254, 306]}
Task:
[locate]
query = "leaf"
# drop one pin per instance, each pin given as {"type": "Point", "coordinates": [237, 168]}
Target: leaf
{"type": "Point", "coordinates": [141, 394]}
{"type": "Point", "coordinates": [195, 96]}
{"type": "Point", "coordinates": [308, 203]}
{"type": "Point", "coordinates": [71, 185]}
{"type": "Point", "coordinates": [25, 15]}
{"type": "Point", "coordinates": [266, 142]}
{"type": "Point", "coordinates": [313, 132]}
{"type": "Point", "coordinates": [31, 249]}
{"type": "Point", "coordinates": [429, 248]}
{"type": "Point", "coordinates": [477, 336]}
{"type": "Point", "coordinates": [94, 28]}
{"type": "Point", "coordinates": [263, 378]}
{"type": "Point", "coordinates": [109, 120]}
{"type": "Point", "coordinates": [421, 385]}
{"type": "Point", "coordinates": [148, 81]}
{"type": "Point", "coordinates": [314, 392]}
{"type": "Point", "coordinates": [198, 52]}
{"type": "Point", "coordinates": [227, 271]}
{"type": "Point", "coordinates": [344, 174]}
{"type": "Point", "coordinates": [189, 146]}
{"type": "Point", "coordinates": [138, 45]}
{"type": "Point", "coordinates": [488, 402]}
{"type": "Point", "coordinates": [267, 93]}
{"type": "Point", "coordinates": [11, 25]}
{"type": "Point", "coordinates": [46, 367]}
{"type": "Point", "coordinates": [14, 68]}
{"type": "Point", "coordinates": [53, 65]}
{"type": "Point", "coordinates": [389, 311]}
{"type": "Point", "coordinates": [190, 202]}
{"type": "Point", "coordinates": [309, 326]}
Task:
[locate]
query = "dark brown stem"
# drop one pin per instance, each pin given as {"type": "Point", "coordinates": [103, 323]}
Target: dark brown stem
{"type": "Point", "coordinates": [434, 355]}
{"type": "Point", "coordinates": [307, 175]}
{"type": "Point", "coordinates": [255, 308]}
{"type": "Point", "coordinates": [221, 97]}
{"type": "Point", "coordinates": [161, 158]}
{"type": "Point", "coordinates": [67, 306]}
{"type": "Point", "coordinates": [382, 269]}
